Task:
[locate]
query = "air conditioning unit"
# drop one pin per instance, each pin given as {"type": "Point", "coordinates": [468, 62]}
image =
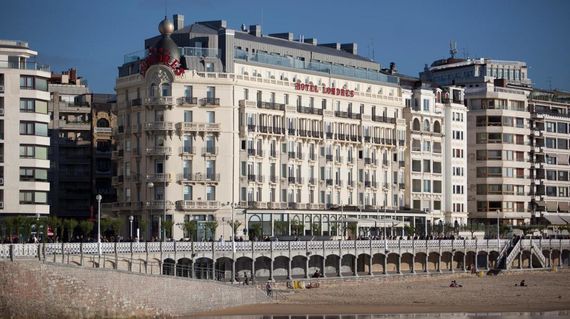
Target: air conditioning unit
{"type": "Point", "coordinates": [1, 88]}
{"type": "Point", "coordinates": [1, 205]}
{"type": "Point", "coordinates": [1, 181]}
{"type": "Point", "coordinates": [1, 112]}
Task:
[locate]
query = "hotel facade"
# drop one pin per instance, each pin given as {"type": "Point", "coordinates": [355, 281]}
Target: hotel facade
{"type": "Point", "coordinates": [286, 137]}
{"type": "Point", "coordinates": [24, 137]}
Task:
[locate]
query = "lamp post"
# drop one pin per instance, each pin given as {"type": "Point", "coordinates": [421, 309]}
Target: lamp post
{"type": "Point", "coordinates": [99, 198]}
{"type": "Point", "coordinates": [150, 186]}
{"type": "Point", "coordinates": [131, 218]}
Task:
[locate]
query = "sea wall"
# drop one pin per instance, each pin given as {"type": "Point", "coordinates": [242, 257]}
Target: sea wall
{"type": "Point", "coordinates": [32, 289]}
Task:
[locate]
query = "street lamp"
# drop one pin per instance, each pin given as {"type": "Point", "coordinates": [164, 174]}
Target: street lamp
{"type": "Point", "coordinates": [233, 243]}
{"type": "Point", "coordinates": [131, 218]}
{"type": "Point", "coordinates": [150, 186]}
{"type": "Point", "coordinates": [99, 198]}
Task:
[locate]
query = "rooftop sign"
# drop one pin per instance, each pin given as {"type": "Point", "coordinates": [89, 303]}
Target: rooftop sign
{"type": "Point", "coordinates": [323, 89]}
{"type": "Point", "coordinates": [162, 56]}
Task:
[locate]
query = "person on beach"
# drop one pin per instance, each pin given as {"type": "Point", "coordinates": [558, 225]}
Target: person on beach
{"type": "Point", "coordinates": [245, 279]}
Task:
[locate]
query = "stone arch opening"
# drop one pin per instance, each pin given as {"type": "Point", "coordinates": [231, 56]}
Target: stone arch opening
{"type": "Point", "coordinates": [331, 265]}
{"type": "Point", "coordinates": [378, 263]}
{"type": "Point", "coordinates": [433, 261]}
{"type": "Point", "coordinates": [347, 265]}
{"type": "Point", "coordinates": [392, 264]}
{"type": "Point", "coordinates": [363, 264]}
{"type": "Point", "coordinates": [420, 264]}
{"type": "Point", "coordinates": [407, 262]}
{"type": "Point", "coordinates": [203, 268]}
{"type": "Point", "coordinates": [262, 267]}
{"type": "Point", "coordinates": [243, 266]}
{"type": "Point", "coordinates": [168, 267]}
{"type": "Point", "coordinates": [316, 264]}
{"type": "Point", "coordinates": [281, 267]}
{"type": "Point", "coordinates": [298, 265]}
{"type": "Point", "coordinates": [184, 267]}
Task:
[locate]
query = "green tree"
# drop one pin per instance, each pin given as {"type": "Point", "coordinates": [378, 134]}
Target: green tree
{"type": "Point", "coordinates": [105, 227]}
{"type": "Point", "coordinates": [26, 227]}
{"type": "Point", "coordinates": [255, 230]}
{"type": "Point", "coordinates": [190, 227]}
{"type": "Point", "coordinates": [115, 225]}
{"type": "Point", "coordinates": [282, 227]}
{"type": "Point", "coordinates": [235, 226]}
{"type": "Point", "coordinates": [54, 223]}
{"type": "Point", "coordinates": [316, 229]}
{"type": "Point", "coordinates": [86, 228]}
{"type": "Point", "coordinates": [410, 230]}
{"type": "Point", "coordinates": [167, 228]}
{"type": "Point", "coordinates": [211, 226]}
{"type": "Point", "coordinates": [9, 222]}
{"type": "Point", "coordinates": [69, 225]}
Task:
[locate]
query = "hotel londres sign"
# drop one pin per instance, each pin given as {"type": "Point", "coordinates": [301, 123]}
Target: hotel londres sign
{"type": "Point", "coordinates": [323, 89]}
{"type": "Point", "coordinates": [156, 56]}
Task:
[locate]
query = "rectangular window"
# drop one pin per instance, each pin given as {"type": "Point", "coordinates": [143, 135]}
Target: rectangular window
{"type": "Point", "coordinates": [416, 185]}
{"type": "Point", "coordinates": [33, 197]}
{"type": "Point", "coordinates": [426, 105]}
{"type": "Point", "coordinates": [437, 167]}
{"type": "Point", "coordinates": [210, 193]}
{"type": "Point", "coordinates": [427, 166]}
{"type": "Point", "coordinates": [416, 166]}
{"type": "Point", "coordinates": [33, 128]}
{"type": "Point", "coordinates": [33, 174]}
{"type": "Point", "coordinates": [427, 185]}
{"type": "Point", "coordinates": [33, 151]}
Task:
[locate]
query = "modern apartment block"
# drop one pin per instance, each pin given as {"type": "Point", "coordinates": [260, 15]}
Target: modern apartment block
{"type": "Point", "coordinates": [24, 122]}
{"type": "Point", "coordinates": [294, 135]}
{"type": "Point", "coordinates": [436, 177]}
{"type": "Point", "coordinates": [550, 155]}
{"type": "Point", "coordinates": [70, 150]}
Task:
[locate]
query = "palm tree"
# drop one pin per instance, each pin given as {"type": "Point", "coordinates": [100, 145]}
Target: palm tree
{"type": "Point", "coordinates": [86, 227]}
{"type": "Point", "coordinates": [70, 225]}
{"type": "Point", "coordinates": [190, 227]}
{"type": "Point", "coordinates": [234, 227]}
{"type": "Point", "coordinates": [212, 226]}
{"type": "Point", "coordinates": [143, 225]}
{"type": "Point", "coordinates": [167, 227]}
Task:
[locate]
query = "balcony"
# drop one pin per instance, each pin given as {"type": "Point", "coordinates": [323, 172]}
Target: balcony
{"type": "Point", "coordinates": [187, 150]}
{"type": "Point", "coordinates": [158, 126]}
{"type": "Point", "coordinates": [299, 180]}
{"type": "Point", "coordinates": [198, 177]}
{"type": "Point", "coordinates": [117, 154]}
{"type": "Point", "coordinates": [309, 110]}
{"type": "Point", "coordinates": [348, 115]}
{"type": "Point", "coordinates": [338, 159]}
{"type": "Point", "coordinates": [273, 179]}
{"type": "Point", "coordinates": [159, 178]}
{"type": "Point", "coordinates": [209, 151]}
{"type": "Point", "coordinates": [329, 157]}
{"type": "Point", "coordinates": [271, 106]}
{"type": "Point", "coordinates": [159, 151]}
{"type": "Point", "coordinates": [251, 128]}
{"type": "Point", "coordinates": [383, 119]}
{"type": "Point", "coordinates": [338, 183]}
{"type": "Point", "coordinates": [272, 154]}
{"type": "Point", "coordinates": [312, 181]}
{"type": "Point", "coordinates": [210, 101]}
{"type": "Point", "coordinates": [198, 127]}
{"type": "Point", "coordinates": [116, 180]}
{"type": "Point", "coordinates": [187, 101]}
{"type": "Point", "coordinates": [135, 102]}
{"type": "Point", "coordinates": [160, 101]}
{"type": "Point", "coordinates": [159, 204]}
{"type": "Point", "coordinates": [291, 155]}
{"type": "Point", "coordinates": [103, 130]}
{"type": "Point", "coordinates": [329, 182]}
{"type": "Point", "coordinates": [291, 180]}
{"type": "Point", "coordinates": [312, 157]}
{"type": "Point", "coordinates": [78, 125]}
{"type": "Point", "coordinates": [197, 204]}
{"type": "Point", "coordinates": [350, 183]}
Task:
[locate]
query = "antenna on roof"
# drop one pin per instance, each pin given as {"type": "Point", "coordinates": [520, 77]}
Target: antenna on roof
{"type": "Point", "coordinates": [453, 48]}
{"type": "Point", "coordinates": [165, 8]}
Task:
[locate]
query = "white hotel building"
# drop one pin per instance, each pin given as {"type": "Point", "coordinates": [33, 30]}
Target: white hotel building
{"type": "Point", "coordinates": [24, 137]}
{"type": "Point", "coordinates": [289, 137]}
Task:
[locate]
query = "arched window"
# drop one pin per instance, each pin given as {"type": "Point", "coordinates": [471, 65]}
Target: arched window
{"type": "Point", "coordinates": [416, 125]}
{"type": "Point", "coordinates": [436, 127]}
{"type": "Point", "coordinates": [165, 89]}
{"type": "Point", "coordinates": [426, 125]}
{"type": "Point", "coordinates": [153, 91]}
{"type": "Point", "coordinates": [102, 123]}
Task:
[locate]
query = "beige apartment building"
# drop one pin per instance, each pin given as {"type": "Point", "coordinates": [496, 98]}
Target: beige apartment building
{"type": "Point", "coordinates": [289, 137]}
{"type": "Point", "coordinates": [550, 183]}
{"type": "Point", "coordinates": [24, 137]}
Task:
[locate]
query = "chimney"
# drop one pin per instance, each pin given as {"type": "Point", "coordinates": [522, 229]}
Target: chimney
{"type": "Point", "coordinates": [178, 21]}
{"type": "Point", "coordinates": [72, 75]}
{"type": "Point", "coordinates": [255, 30]}
{"type": "Point", "coordinates": [349, 47]}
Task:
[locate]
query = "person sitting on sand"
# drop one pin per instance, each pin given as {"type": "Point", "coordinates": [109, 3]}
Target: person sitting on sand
{"type": "Point", "coordinates": [522, 284]}
{"type": "Point", "coordinates": [269, 289]}
{"type": "Point", "coordinates": [316, 274]}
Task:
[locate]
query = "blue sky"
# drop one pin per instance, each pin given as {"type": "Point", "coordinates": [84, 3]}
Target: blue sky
{"type": "Point", "coordinates": [93, 35]}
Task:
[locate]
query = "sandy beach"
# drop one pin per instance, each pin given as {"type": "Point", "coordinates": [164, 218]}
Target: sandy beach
{"type": "Point", "coordinates": [546, 291]}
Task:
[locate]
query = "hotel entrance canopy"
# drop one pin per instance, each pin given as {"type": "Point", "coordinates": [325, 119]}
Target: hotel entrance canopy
{"type": "Point", "coordinates": [371, 222]}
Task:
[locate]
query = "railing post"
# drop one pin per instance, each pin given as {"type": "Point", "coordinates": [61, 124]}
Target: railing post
{"type": "Point", "coordinates": [289, 277]}
{"type": "Point", "coordinates": [146, 251]}
{"type": "Point", "coordinates": [340, 258]}
{"type": "Point", "coordinates": [11, 252]}
{"type": "Point", "coordinates": [62, 252]}
{"type": "Point", "coordinates": [81, 254]}
{"type": "Point", "coordinates": [39, 249]}
{"type": "Point", "coordinates": [270, 261]}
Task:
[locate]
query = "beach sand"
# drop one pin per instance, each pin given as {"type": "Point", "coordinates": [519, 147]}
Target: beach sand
{"type": "Point", "coordinates": [546, 291]}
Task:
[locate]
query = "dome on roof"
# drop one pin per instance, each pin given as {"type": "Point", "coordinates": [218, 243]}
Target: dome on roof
{"type": "Point", "coordinates": [166, 27]}
{"type": "Point", "coordinates": [166, 45]}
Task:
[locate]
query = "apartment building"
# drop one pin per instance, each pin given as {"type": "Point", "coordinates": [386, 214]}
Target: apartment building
{"type": "Point", "coordinates": [550, 183]}
{"type": "Point", "coordinates": [436, 153]}
{"type": "Point", "coordinates": [498, 135]}
{"type": "Point", "coordinates": [70, 150]}
{"type": "Point", "coordinates": [290, 137]}
{"type": "Point", "coordinates": [24, 183]}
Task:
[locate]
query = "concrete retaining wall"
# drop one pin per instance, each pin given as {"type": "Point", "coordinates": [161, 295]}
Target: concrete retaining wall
{"type": "Point", "coordinates": [31, 289]}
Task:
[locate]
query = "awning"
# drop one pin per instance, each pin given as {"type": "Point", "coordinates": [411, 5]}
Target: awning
{"type": "Point", "coordinates": [552, 206]}
{"type": "Point", "coordinates": [565, 218]}
{"type": "Point", "coordinates": [555, 220]}
{"type": "Point", "coordinates": [563, 206]}
{"type": "Point", "coordinates": [371, 222]}
{"type": "Point", "coordinates": [541, 203]}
